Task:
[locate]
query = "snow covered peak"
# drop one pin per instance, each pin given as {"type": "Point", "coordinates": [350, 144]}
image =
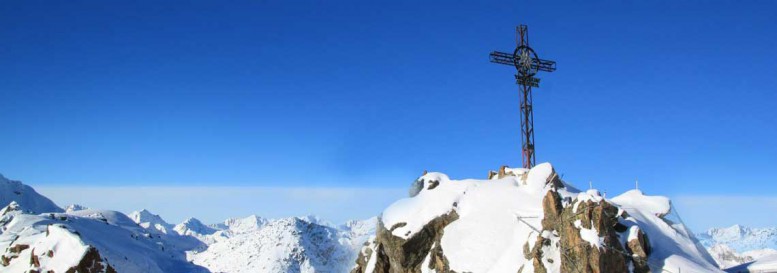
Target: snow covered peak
{"type": "Point", "coordinates": [740, 238]}
{"type": "Point", "coordinates": [74, 207]}
{"type": "Point", "coordinates": [315, 219]}
{"type": "Point", "coordinates": [290, 244]}
{"type": "Point", "coordinates": [731, 233]}
{"type": "Point", "coordinates": [242, 225]}
{"type": "Point", "coordinates": [360, 227]}
{"type": "Point", "coordinates": [25, 196]}
{"type": "Point", "coordinates": [150, 221]}
{"type": "Point", "coordinates": [141, 216]}
{"type": "Point", "coordinates": [193, 226]}
{"type": "Point", "coordinates": [13, 206]}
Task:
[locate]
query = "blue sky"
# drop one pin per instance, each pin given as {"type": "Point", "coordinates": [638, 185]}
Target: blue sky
{"type": "Point", "coordinates": [356, 94]}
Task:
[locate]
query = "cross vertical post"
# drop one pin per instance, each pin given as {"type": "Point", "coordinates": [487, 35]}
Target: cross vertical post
{"type": "Point", "coordinates": [526, 61]}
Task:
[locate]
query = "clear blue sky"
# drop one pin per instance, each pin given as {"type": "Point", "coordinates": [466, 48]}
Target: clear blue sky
{"type": "Point", "coordinates": [680, 94]}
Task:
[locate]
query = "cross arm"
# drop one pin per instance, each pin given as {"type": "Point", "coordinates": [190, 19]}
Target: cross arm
{"type": "Point", "coordinates": [508, 59]}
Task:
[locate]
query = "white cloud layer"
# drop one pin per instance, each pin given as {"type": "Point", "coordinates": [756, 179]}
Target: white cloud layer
{"type": "Point", "coordinates": [214, 204]}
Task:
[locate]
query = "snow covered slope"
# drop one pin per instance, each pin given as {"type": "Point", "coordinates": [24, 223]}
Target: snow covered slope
{"type": "Point", "coordinates": [255, 244]}
{"type": "Point", "coordinates": [25, 196]}
{"type": "Point", "coordinates": [193, 226]}
{"type": "Point", "coordinates": [38, 235]}
{"type": "Point", "coordinates": [673, 244]}
{"type": "Point", "coordinates": [60, 241]}
{"type": "Point", "coordinates": [527, 221]}
{"type": "Point", "coordinates": [767, 264]}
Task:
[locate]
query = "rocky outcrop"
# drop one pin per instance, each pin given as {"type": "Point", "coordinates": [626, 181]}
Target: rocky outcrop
{"type": "Point", "coordinates": [394, 254]}
{"type": "Point", "coordinates": [639, 249]}
{"type": "Point", "coordinates": [584, 230]}
{"type": "Point", "coordinates": [587, 234]}
{"type": "Point", "coordinates": [91, 263]}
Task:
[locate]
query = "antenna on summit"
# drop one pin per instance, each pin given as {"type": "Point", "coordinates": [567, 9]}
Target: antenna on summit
{"type": "Point", "coordinates": [636, 184]}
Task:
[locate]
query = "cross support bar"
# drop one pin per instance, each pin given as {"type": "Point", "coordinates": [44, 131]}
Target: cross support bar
{"type": "Point", "coordinates": [509, 59]}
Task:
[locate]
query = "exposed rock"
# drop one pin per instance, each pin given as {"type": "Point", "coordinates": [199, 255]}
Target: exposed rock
{"type": "Point", "coordinates": [579, 254]}
{"type": "Point", "coordinates": [18, 248]}
{"type": "Point", "coordinates": [407, 255]}
{"type": "Point", "coordinates": [395, 254]}
{"type": "Point", "coordinates": [12, 253]}
{"type": "Point", "coordinates": [363, 258]}
{"type": "Point", "coordinates": [492, 174]}
{"type": "Point", "coordinates": [34, 260]}
{"type": "Point", "coordinates": [639, 248]}
{"type": "Point", "coordinates": [91, 263]}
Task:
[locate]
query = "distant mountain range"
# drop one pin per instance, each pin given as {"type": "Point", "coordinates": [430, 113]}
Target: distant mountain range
{"type": "Point", "coordinates": [740, 238]}
{"type": "Point", "coordinates": [738, 244]}
{"type": "Point", "coordinates": [39, 236]}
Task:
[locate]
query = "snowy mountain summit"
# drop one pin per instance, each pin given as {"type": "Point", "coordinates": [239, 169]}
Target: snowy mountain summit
{"type": "Point", "coordinates": [25, 196]}
{"type": "Point", "coordinates": [524, 220]}
{"type": "Point", "coordinates": [294, 244]}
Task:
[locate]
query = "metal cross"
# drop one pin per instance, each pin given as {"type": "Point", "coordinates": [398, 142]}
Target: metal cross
{"type": "Point", "coordinates": [526, 61]}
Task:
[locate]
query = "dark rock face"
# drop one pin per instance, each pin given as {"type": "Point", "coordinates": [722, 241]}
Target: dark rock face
{"type": "Point", "coordinates": [639, 248]}
{"type": "Point", "coordinates": [564, 224]}
{"type": "Point", "coordinates": [91, 263]}
{"type": "Point", "coordinates": [395, 254]}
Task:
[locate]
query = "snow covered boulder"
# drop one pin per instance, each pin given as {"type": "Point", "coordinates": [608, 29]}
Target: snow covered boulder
{"type": "Point", "coordinates": [522, 220]}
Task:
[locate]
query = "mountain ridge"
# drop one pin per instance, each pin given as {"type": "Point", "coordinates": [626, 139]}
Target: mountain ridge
{"type": "Point", "coordinates": [141, 241]}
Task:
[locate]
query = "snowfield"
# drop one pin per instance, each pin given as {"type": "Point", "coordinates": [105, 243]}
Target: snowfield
{"type": "Point", "coordinates": [121, 243]}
